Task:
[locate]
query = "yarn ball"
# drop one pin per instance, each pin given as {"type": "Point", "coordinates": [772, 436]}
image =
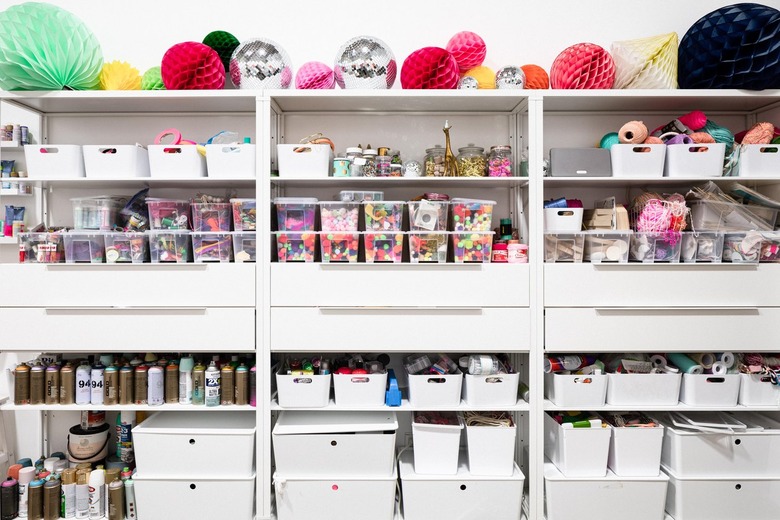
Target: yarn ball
{"type": "Point", "coordinates": [760, 133]}
{"type": "Point", "coordinates": [485, 76]}
{"type": "Point", "coordinates": [119, 75]}
{"type": "Point", "coordinates": [701, 138]}
{"type": "Point", "coordinates": [468, 49]}
{"type": "Point", "coordinates": [223, 43]}
{"type": "Point", "coordinates": [721, 134]}
{"type": "Point", "coordinates": [152, 79]}
{"type": "Point", "coordinates": [315, 75]}
{"type": "Point", "coordinates": [646, 62]}
{"type": "Point", "coordinates": [192, 66]}
{"type": "Point", "coordinates": [429, 68]}
{"type": "Point", "coordinates": [536, 77]}
{"type": "Point", "coordinates": [609, 140]}
{"type": "Point", "coordinates": [694, 120]}
{"type": "Point", "coordinates": [736, 46]}
{"type": "Point", "coordinates": [651, 139]}
{"type": "Point", "coordinates": [633, 132]}
{"type": "Point", "coordinates": [583, 66]}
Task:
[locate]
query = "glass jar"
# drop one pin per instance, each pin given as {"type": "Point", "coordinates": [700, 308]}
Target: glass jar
{"type": "Point", "coordinates": [369, 168]}
{"type": "Point", "coordinates": [396, 156]}
{"type": "Point", "coordinates": [434, 161]}
{"type": "Point", "coordinates": [383, 166]}
{"type": "Point", "coordinates": [355, 156]}
{"type": "Point", "coordinates": [471, 161]}
{"type": "Point", "coordinates": [500, 161]}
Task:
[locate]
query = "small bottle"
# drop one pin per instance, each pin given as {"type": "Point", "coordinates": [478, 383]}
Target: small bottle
{"type": "Point", "coordinates": [500, 252]}
{"type": "Point", "coordinates": [212, 393]}
{"type": "Point", "coordinates": [155, 395]}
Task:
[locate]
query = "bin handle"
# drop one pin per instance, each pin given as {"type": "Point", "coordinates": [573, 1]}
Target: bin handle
{"type": "Point", "coordinates": [715, 311]}
{"type": "Point", "coordinates": [125, 310]}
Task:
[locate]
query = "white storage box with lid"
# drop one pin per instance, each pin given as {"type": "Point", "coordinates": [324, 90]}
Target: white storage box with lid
{"type": "Point", "coordinates": [636, 451]}
{"type": "Point", "coordinates": [491, 449]}
{"type": "Point", "coordinates": [563, 220]}
{"type": "Point", "coordinates": [703, 444]}
{"type": "Point", "coordinates": [576, 391]}
{"type": "Point", "coordinates": [302, 391]}
{"type": "Point", "coordinates": [359, 389]}
{"type": "Point", "coordinates": [54, 161]}
{"type": "Point", "coordinates": [577, 452]}
{"type": "Point", "coordinates": [638, 160]}
{"type": "Point", "coordinates": [710, 389]}
{"type": "Point", "coordinates": [176, 161]}
{"type": "Point", "coordinates": [435, 390]}
{"type": "Point", "coordinates": [335, 443]}
{"type": "Point", "coordinates": [604, 498]}
{"type": "Point", "coordinates": [116, 161]}
{"type": "Point", "coordinates": [335, 498]}
{"type": "Point", "coordinates": [314, 162]}
{"type": "Point", "coordinates": [495, 390]}
{"type": "Point", "coordinates": [436, 445]}
{"type": "Point", "coordinates": [176, 444]}
{"type": "Point", "coordinates": [230, 161]}
{"type": "Point", "coordinates": [758, 390]}
{"type": "Point", "coordinates": [643, 389]}
{"type": "Point", "coordinates": [759, 160]}
{"type": "Point", "coordinates": [195, 497]}
{"type": "Point", "coordinates": [694, 160]}
{"type": "Point", "coordinates": [461, 496]}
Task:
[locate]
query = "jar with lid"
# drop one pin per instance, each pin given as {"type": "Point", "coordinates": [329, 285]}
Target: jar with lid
{"type": "Point", "coordinates": [355, 156]}
{"type": "Point", "coordinates": [471, 161]}
{"type": "Point", "coordinates": [383, 165]}
{"type": "Point", "coordinates": [369, 168]}
{"type": "Point", "coordinates": [500, 253]}
{"type": "Point", "coordinates": [500, 161]}
{"type": "Point", "coordinates": [434, 161]}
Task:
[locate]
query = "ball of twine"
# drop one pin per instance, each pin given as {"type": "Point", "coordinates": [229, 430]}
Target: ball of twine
{"type": "Point", "coordinates": [633, 132]}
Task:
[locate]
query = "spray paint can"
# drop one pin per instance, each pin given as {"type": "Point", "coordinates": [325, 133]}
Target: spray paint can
{"type": "Point", "coordinates": [140, 384]}
{"type": "Point", "coordinates": [67, 384]}
{"type": "Point", "coordinates": [156, 386]}
{"type": "Point", "coordinates": [242, 385]}
{"type": "Point", "coordinates": [126, 385]}
{"type": "Point", "coordinates": [112, 474]}
{"type": "Point", "coordinates": [82, 493]}
{"type": "Point", "coordinates": [97, 383]}
{"type": "Point", "coordinates": [26, 475]}
{"type": "Point", "coordinates": [111, 389]}
{"type": "Point", "coordinates": [22, 384]}
{"type": "Point", "coordinates": [83, 384]}
{"type": "Point", "coordinates": [171, 384]}
{"type": "Point", "coordinates": [227, 385]}
{"type": "Point", "coordinates": [52, 378]}
{"type": "Point", "coordinates": [68, 493]}
{"type": "Point", "coordinates": [51, 500]}
{"type": "Point", "coordinates": [125, 421]}
{"type": "Point", "coordinates": [212, 385]}
{"type": "Point", "coordinates": [253, 386]}
{"type": "Point", "coordinates": [97, 480]}
{"type": "Point", "coordinates": [186, 368]}
{"type": "Point", "coordinates": [34, 500]}
{"type": "Point", "coordinates": [198, 384]}
{"type": "Point", "coordinates": [116, 500]}
{"type": "Point", "coordinates": [37, 384]}
{"type": "Point", "coordinates": [131, 511]}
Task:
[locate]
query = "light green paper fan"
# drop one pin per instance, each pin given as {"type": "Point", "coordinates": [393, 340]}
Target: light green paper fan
{"type": "Point", "coordinates": [44, 47]}
{"type": "Point", "coordinates": [152, 79]}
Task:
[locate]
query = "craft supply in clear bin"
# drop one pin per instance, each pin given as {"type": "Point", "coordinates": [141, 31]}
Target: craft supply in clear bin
{"type": "Point", "coordinates": [292, 246]}
{"type": "Point", "coordinates": [564, 247]}
{"type": "Point", "coordinates": [428, 247]}
{"type": "Point", "coordinates": [383, 215]}
{"type": "Point", "coordinates": [428, 215]}
{"type": "Point", "coordinates": [84, 247]}
{"type": "Point", "coordinates": [168, 214]}
{"type": "Point", "coordinates": [244, 214]}
{"type": "Point", "coordinates": [360, 196]}
{"type": "Point", "coordinates": [97, 212]}
{"type": "Point", "coordinates": [212, 247]}
{"type": "Point", "coordinates": [130, 247]}
{"type": "Point", "coordinates": [245, 246]}
{"type": "Point", "coordinates": [339, 247]}
{"type": "Point", "coordinates": [295, 213]}
{"type": "Point", "coordinates": [171, 246]}
{"type": "Point", "coordinates": [41, 248]}
{"type": "Point", "coordinates": [339, 216]}
{"type": "Point", "coordinates": [742, 248]}
{"type": "Point", "coordinates": [383, 247]}
{"type": "Point", "coordinates": [770, 248]}
{"type": "Point", "coordinates": [472, 214]}
{"type": "Point", "coordinates": [702, 247]}
{"type": "Point", "coordinates": [656, 247]}
{"type": "Point", "coordinates": [607, 246]}
{"type": "Point", "coordinates": [472, 247]}
{"type": "Point", "coordinates": [211, 216]}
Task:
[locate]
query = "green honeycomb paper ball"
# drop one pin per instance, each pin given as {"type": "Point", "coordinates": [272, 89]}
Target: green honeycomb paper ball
{"type": "Point", "coordinates": [152, 80]}
{"type": "Point", "coordinates": [224, 43]}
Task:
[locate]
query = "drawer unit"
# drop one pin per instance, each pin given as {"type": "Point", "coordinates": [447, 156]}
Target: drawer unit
{"type": "Point", "coordinates": [400, 329]}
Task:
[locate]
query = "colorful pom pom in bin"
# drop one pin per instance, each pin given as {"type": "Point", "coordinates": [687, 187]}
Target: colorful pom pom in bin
{"type": "Point", "coordinates": [384, 246]}
{"type": "Point", "coordinates": [656, 247]}
{"type": "Point", "coordinates": [702, 247]}
{"type": "Point", "coordinates": [296, 246]}
{"type": "Point", "coordinates": [244, 214]}
{"type": "Point", "coordinates": [84, 248]}
{"type": "Point", "coordinates": [168, 213]}
{"type": "Point", "coordinates": [211, 216]}
{"type": "Point", "coordinates": [643, 161]}
{"type": "Point", "coordinates": [170, 246]}
{"type": "Point", "coordinates": [339, 247]}
{"type": "Point", "coordinates": [428, 215]}
{"type": "Point", "coordinates": [126, 248]}
{"type": "Point", "coordinates": [295, 213]}
{"type": "Point", "coordinates": [245, 246]}
{"type": "Point", "coordinates": [694, 160]}
{"type": "Point", "coordinates": [564, 247]}
{"type": "Point", "coordinates": [41, 248]}
{"type": "Point", "coordinates": [472, 247]}
{"type": "Point", "coordinates": [472, 214]}
{"type": "Point", "coordinates": [383, 215]}
{"type": "Point", "coordinates": [426, 247]}
{"type": "Point", "coordinates": [339, 216]}
{"type": "Point", "coordinates": [212, 247]}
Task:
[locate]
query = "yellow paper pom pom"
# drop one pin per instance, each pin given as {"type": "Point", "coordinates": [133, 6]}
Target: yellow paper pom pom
{"type": "Point", "coordinates": [485, 77]}
{"type": "Point", "coordinates": [120, 75]}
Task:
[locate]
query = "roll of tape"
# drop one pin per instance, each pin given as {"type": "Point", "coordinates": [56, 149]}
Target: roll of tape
{"type": "Point", "coordinates": [172, 132]}
{"type": "Point", "coordinates": [727, 358]}
{"type": "Point", "coordinates": [658, 361]}
{"type": "Point", "coordinates": [705, 359]}
{"type": "Point", "coordinates": [719, 368]}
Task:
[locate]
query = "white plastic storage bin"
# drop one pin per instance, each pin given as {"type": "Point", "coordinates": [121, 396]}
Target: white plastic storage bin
{"type": "Point", "coordinates": [231, 161]}
{"type": "Point", "coordinates": [636, 452]}
{"type": "Point", "coordinates": [314, 162]}
{"type": "Point", "coordinates": [176, 161]}
{"type": "Point", "coordinates": [306, 391]}
{"type": "Point", "coordinates": [194, 497]}
{"type": "Point", "coordinates": [606, 498]}
{"type": "Point", "coordinates": [359, 389]}
{"type": "Point", "coordinates": [116, 161]}
{"type": "Point", "coordinates": [643, 389]}
{"type": "Point", "coordinates": [334, 498]}
{"type": "Point", "coordinates": [759, 160]}
{"type": "Point", "coordinates": [54, 161]}
{"type": "Point", "coordinates": [335, 443]}
{"type": "Point", "coordinates": [491, 449]}
{"type": "Point", "coordinates": [563, 220]}
{"type": "Point", "coordinates": [638, 160]}
{"type": "Point", "coordinates": [172, 445]}
{"type": "Point", "coordinates": [436, 446]}
{"type": "Point", "coordinates": [435, 390]}
{"type": "Point", "coordinates": [462, 496]}
{"type": "Point", "coordinates": [694, 160]}
{"type": "Point", "coordinates": [577, 392]}
{"type": "Point", "coordinates": [607, 246]}
{"type": "Point", "coordinates": [757, 390]}
{"type": "Point", "coordinates": [495, 390]}
{"type": "Point", "coordinates": [577, 452]}
{"type": "Point", "coordinates": [710, 389]}
{"type": "Point", "coordinates": [702, 247]}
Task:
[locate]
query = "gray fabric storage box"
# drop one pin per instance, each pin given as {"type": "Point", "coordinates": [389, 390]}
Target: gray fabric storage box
{"type": "Point", "coordinates": [580, 162]}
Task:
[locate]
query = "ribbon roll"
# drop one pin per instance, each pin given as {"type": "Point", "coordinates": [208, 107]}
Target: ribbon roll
{"type": "Point", "coordinates": [685, 363]}
{"type": "Point", "coordinates": [658, 361]}
{"type": "Point", "coordinates": [719, 368]}
{"type": "Point", "coordinates": [705, 359]}
{"type": "Point", "coordinates": [727, 358]}
{"type": "Point", "coordinates": [633, 132]}
{"type": "Point", "coordinates": [175, 134]}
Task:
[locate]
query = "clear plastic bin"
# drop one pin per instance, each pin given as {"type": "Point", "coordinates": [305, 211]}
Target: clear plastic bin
{"type": "Point", "coordinates": [702, 247]}
{"type": "Point", "coordinates": [607, 246]}
{"type": "Point", "coordinates": [384, 247]}
{"type": "Point", "coordinates": [41, 248]}
{"type": "Point", "coordinates": [212, 247]}
{"type": "Point", "coordinates": [564, 247]}
{"type": "Point", "coordinates": [170, 246]}
{"type": "Point", "coordinates": [211, 216]}
{"type": "Point", "coordinates": [97, 212]}
{"type": "Point", "coordinates": [383, 215]}
{"type": "Point", "coordinates": [295, 213]}
{"type": "Point", "coordinates": [296, 246]}
{"type": "Point", "coordinates": [89, 248]}
{"type": "Point", "coordinates": [168, 214]}
{"type": "Point", "coordinates": [741, 248]}
{"type": "Point", "coordinates": [428, 247]}
{"type": "Point", "coordinates": [472, 214]}
{"type": "Point", "coordinates": [244, 214]}
{"type": "Point", "coordinates": [339, 247]}
{"type": "Point", "coordinates": [472, 247]}
{"type": "Point", "coordinates": [428, 215]}
{"type": "Point", "coordinates": [656, 247]}
{"type": "Point", "coordinates": [339, 216]}
{"type": "Point", "coordinates": [770, 248]}
{"type": "Point", "coordinates": [245, 246]}
{"type": "Point", "coordinates": [722, 216]}
{"type": "Point", "coordinates": [130, 248]}
{"type": "Point", "coordinates": [360, 196]}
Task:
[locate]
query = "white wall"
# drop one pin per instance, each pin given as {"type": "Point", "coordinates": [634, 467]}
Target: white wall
{"type": "Point", "coordinates": [517, 32]}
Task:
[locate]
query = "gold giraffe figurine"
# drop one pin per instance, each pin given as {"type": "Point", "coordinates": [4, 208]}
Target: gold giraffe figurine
{"type": "Point", "coordinates": [450, 164]}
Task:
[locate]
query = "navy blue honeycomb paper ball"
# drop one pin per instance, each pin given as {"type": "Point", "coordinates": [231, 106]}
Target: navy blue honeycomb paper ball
{"type": "Point", "coordinates": [737, 46]}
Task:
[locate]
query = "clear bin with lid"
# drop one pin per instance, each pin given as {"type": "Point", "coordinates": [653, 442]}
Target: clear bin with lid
{"type": "Point", "coordinates": [383, 215]}
{"type": "Point", "coordinates": [295, 213]}
{"type": "Point", "coordinates": [80, 247]}
{"type": "Point", "coordinates": [428, 215]}
{"type": "Point", "coordinates": [212, 247]}
{"type": "Point", "coordinates": [339, 247]}
{"type": "Point", "coordinates": [211, 216]}
{"type": "Point", "coordinates": [339, 216]}
{"type": "Point", "coordinates": [129, 248]}
{"type": "Point", "coordinates": [170, 246]}
{"type": "Point", "coordinates": [472, 214]}
{"type": "Point", "coordinates": [41, 248]}
{"type": "Point", "coordinates": [742, 248]}
{"type": "Point", "coordinates": [384, 246]}
{"type": "Point", "coordinates": [360, 196]}
{"type": "Point", "coordinates": [168, 213]}
{"type": "Point", "coordinates": [296, 246]}
{"type": "Point", "coordinates": [244, 214]}
{"type": "Point", "coordinates": [472, 247]}
{"type": "Point", "coordinates": [97, 212]}
{"type": "Point", "coordinates": [245, 246]}
{"type": "Point", "coordinates": [428, 247]}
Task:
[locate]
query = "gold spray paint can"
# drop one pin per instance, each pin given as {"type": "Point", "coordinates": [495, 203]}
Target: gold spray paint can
{"type": "Point", "coordinates": [37, 384]}
{"type": "Point", "coordinates": [126, 385]}
{"type": "Point", "coordinates": [172, 383]}
{"type": "Point", "coordinates": [242, 385]}
{"type": "Point", "coordinates": [52, 376]}
{"type": "Point", "coordinates": [67, 384]}
{"type": "Point", "coordinates": [111, 386]}
{"type": "Point", "coordinates": [228, 385]}
{"type": "Point", "coordinates": [22, 384]}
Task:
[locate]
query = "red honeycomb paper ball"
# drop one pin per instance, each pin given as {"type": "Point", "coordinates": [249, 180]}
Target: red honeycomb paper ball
{"type": "Point", "coordinates": [468, 49]}
{"type": "Point", "coordinates": [192, 66]}
{"type": "Point", "coordinates": [429, 68]}
{"type": "Point", "coordinates": [536, 77]}
{"type": "Point", "coordinates": [583, 66]}
{"type": "Point", "coordinates": [314, 75]}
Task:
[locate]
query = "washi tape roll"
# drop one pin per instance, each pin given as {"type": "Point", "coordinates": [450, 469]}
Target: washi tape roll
{"type": "Point", "coordinates": [719, 368]}
{"type": "Point", "coordinates": [658, 361]}
{"type": "Point", "coordinates": [174, 134]}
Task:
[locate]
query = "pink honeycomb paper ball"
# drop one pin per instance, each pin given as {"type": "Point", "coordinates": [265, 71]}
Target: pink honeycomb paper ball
{"type": "Point", "coordinates": [468, 49]}
{"type": "Point", "coordinates": [314, 75]}
{"type": "Point", "coordinates": [192, 66]}
{"type": "Point", "coordinates": [429, 68]}
{"type": "Point", "coordinates": [583, 66]}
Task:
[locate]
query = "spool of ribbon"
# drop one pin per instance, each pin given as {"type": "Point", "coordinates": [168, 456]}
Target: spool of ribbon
{"type": "Point", "coordinates": [170, 136]}
{"type": "Point", "coordinates": [727, 358]}
{"type": "Point", "coordinates": [719, 368]}
{"type": "Point", "coordinates": [684, 363]}
{"type": "Point", "coordinates": [658, 361]}
{"type": "Point", "coordinates": [633, 132]}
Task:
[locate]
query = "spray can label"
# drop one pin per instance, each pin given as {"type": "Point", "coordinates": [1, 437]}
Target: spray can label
{"type": "Point", "coordinates": [83, 385]}
{"type": "Point", "coordinates": [212, 387]}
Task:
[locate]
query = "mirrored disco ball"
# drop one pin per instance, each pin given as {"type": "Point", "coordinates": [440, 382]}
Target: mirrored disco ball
{"type": "Point", "coordinates": [365, 62]}
{"type": "Point", "coordinates": [260, 63]}
{"type": "Point", "coordinates": [510, 77]}
{"type": "Point", "coordinates": [468, 83]}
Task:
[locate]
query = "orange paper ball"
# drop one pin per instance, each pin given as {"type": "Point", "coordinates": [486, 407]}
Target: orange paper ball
{"type": "Point", "coordinates": [536, 77]}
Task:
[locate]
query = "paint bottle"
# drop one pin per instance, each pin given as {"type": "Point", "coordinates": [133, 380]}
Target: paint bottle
{"type": "Point", "coordinates": [126, 385]}
{"type": "Point", "coordinates": [253, 386]}
{"type": "Point", "coordinates": [116, 500]}
{"type": "Point", "coordinates": [198, 384]}
{"type": "Point", "coordinates": [156, 386]}
{"type": "Point", "coordinates": [140, 384]}
{"type": "Point", "coordinates": [51, 500]}
{"type": "Point", "coordinates": [227, 385]}
{"type": "Point", "coordinates": [242, 385]}
{"type": "Point", "coordinates": [26, 475]}
{"type": "Point", "coordinates": [125, 421]}
{"type": "Point", "coordinates": [97, 479]}
{"type": "Point", "coordinates": [37, 384]}
{"type": "Point", "coordinates": [83, 384]}
{"type": "Point", "coordinates": [171, 386]}
{"type": "Point", "coordinates": [22, 384]}
{"type": "Point", "coordinates": [186, 367]}
{"type": "Point", "coordinates": [34, 500]}
{"type": "Point", "coordinates": [97, 382]}
{"type": "Point", "coordinates": [130, 510]}
{"type": "Point", "coordinates": [68, 494]}
{"type": "Point", "coordinates": [67, 384]}
{"type": "Point", "coordinates": [212, 385]}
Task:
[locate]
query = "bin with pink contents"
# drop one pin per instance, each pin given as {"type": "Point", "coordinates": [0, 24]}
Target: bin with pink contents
{"type": "Point", "coordinates": [295, 213]}
{"type": "Point", "coordinates": [168, 213]}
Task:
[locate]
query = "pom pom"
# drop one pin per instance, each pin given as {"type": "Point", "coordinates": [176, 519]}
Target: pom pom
{"type": "Point", "coordinates": [120, 75]}
{"type": "Point", "coordinates": [583, 66]}
{"type": "Point", "coordinates": [468, 49]}
{"type": "Point", "coordinates": [152, 79]}
{"type": "Point", "coordinates": [536, 77]}
{"type": "Point", "coordinates": [192, 66]}
{"type": "Point", "coordinates": [314, 75]}
{"type": "Point", "coordinates": [429, 68]}
{"type": "Point", "coordinates": [485, 76]}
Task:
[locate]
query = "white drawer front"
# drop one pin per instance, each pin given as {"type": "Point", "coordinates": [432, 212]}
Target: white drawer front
{"type": "Point", "coordinates": [400, 329]}
{"type": "Point", "coordinates": [456, 285]}
{"type": "Point", "coordinates": [153, 285]}
{"type": "Point", "coordinates": [590, 285]}
{"type": "Point", "coordinates": [128, 329]}
{"type": "Point", "coordinates": [659, 330]}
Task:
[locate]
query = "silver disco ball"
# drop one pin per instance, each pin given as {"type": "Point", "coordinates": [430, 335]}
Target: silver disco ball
{"type": "Point", "coordinates": [468, 83]}
{"type": "Point", "coordinates": [510, 77]}
{"type": "Point", "coordinates": [365, 62]}
{"type": "Point", "coordinates": [260, 63]}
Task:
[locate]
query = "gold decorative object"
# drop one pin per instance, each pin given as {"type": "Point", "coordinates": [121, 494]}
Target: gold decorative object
{"type": "Point", "coordinates": [450, 164]}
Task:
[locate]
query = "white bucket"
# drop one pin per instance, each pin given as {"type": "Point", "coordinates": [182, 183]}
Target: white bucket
{"type": "Point", "coordinates": [88, 445]}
